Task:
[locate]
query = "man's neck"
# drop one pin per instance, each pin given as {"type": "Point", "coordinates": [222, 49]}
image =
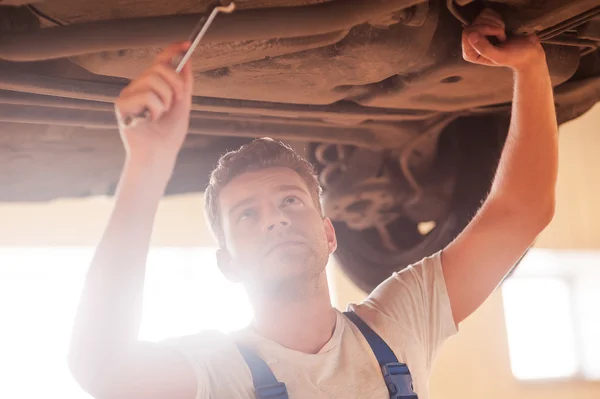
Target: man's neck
{"type": "Point", "coordinates": [303, 323]}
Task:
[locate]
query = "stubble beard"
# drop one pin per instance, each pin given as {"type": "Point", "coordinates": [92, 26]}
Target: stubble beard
{"type": "Point", "coordinates": [297, 286]}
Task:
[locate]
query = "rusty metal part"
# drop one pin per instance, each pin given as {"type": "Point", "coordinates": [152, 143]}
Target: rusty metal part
{"type": "Point", "coordinates": [321, 69]}
{"type": "Point", "coordinates": [587, 45]}
{"type": "Point", "coordinates": [78, 39]}
{"type": "Point", "coordinates": [531, 20]}
{"type": "Point", "coordinates": [421, 151]}
{"type": "Point", "coordinates": [355, 190]}
{"type": "Point", "coordinates": [215, 59]}
{"type": "Point", "coordinates": [330, 166]}
{"type": "Point", "coordinates": [100, 10]}
{"type": "Point", "coordinates": [416, 15]}
{"type": "Point", "coordinates": [410, 16]}
{"type": "Point", "coordinates": [34, 10]}
{"type": "Point", "coordinates": [364, 190]}
{"type": "Point", "coordinates": [366, 203]}
{"type": "Point", "coordinates": [210, 125]}
{"type": "Point", "coordinates": [572, 99]}
{"type": "Point", "coordinates": [218, 117]}
{"type": "Point", "coordinates": [14, 2]}
{"type": "Point", "coordinates": [590, 31]}
{"type": "Point", "coordinates": [71, 92]}
{"type": "Point", "coordinates": [456, 12]}
{"type": "Point", "coordinates": [547, 34]}
{"type": "Point", "coordinates": [393, 127]}
{"type": "Point", "coordinates": [27, 99]}
{"type": "Point", "coordinates": [568, 24]}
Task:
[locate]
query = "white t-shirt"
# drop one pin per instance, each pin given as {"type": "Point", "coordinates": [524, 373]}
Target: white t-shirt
{"type": "Point", "coordinates": [410, 311]}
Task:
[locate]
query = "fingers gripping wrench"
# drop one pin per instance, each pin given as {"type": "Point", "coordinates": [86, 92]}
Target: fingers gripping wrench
{"type": "Point", "coordinates": [178, 63]}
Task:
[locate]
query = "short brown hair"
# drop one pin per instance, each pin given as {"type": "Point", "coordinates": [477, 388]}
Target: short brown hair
{"type": "Point", "coordinates": [259, 154]}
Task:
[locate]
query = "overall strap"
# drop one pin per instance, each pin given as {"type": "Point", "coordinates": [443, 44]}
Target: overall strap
{"type": "Point", "coordinates": [395, 374]}
{"type": "Point", "coordinates": [266, 385]}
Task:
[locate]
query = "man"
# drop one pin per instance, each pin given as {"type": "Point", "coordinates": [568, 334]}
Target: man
{"type": "Point", "coordinates": [262, 203]}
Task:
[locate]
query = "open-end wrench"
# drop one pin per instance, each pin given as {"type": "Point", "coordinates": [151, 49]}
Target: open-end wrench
{"type": "Point", "coordinates": [178, 63]}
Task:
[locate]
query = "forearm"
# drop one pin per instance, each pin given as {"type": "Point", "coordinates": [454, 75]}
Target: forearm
{"type": "Point", "coordinates": [110, 307]}
{"type": "Point", "coordinates": [528, 167]}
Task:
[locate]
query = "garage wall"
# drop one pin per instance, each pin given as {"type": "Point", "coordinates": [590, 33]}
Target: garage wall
{"type": "Point", "coordinates": [473, 364]}
{"type": "Point", "coordinates": [576, 224]}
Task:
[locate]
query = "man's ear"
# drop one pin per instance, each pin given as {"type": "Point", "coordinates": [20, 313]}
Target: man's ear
{"type": "Point", "coordinates": [226, 265]}
{"type": "Point", "coordinates": [330, 234]}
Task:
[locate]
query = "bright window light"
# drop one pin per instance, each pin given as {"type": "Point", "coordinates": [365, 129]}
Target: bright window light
{"type": "Point", "coordinates": [552, 318]}
{"type": "Point", "coordinates": [39, 290]}
{"type": "Point", "coordinates": [587, 302]}
{"type": "Point", "coordinates": [539, 325]}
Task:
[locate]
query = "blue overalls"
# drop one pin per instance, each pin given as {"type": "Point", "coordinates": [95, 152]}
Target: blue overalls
{"type": "Point", "coordinates": [395, 374]}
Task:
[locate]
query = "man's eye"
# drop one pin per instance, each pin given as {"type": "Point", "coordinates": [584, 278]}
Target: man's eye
{"type": "Point", "coordinates": [291, 201]}
{"type": "Point", "coordinates": [248, 213]}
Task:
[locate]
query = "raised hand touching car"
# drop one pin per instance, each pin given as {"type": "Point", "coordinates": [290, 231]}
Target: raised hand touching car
{"type": "Point", "coordinates": [167, 96]}
{"type": "Point", "coordinates": [520, 203]}
{"type": "Point", "coordinates": [518, 52]}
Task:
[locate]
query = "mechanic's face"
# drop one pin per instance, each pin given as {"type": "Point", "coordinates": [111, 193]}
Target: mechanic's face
{"type": "Point", "coordinates": [275, 235]}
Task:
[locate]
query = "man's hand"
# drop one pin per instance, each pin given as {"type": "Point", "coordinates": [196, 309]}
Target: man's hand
{"type": "Point", "coordinates": [167, 95]}
{"type": "Point", "coordinates": [517, 53]}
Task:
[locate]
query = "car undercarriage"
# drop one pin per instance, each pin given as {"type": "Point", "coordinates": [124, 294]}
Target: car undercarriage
{"type": "Point", "coordinates": [405, 134]}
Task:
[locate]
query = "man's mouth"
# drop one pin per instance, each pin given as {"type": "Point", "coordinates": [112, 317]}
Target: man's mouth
{"type": "Point", "coordinates": [284, 245]}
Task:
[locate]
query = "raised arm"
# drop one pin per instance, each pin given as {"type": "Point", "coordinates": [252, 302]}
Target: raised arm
{"type": "Point", "coordinates": [521, 201]}
{"type": "Point", "coordinates": [105, 356]}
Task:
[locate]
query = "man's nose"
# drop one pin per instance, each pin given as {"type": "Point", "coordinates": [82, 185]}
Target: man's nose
{"type": "Point", "coordinates": [276, 219]}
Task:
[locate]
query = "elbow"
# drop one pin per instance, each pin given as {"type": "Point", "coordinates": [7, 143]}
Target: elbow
{"type": "Point", "coordinates": [548, 213]}
{"type": "Point", "coordinates": [82, 371]}
{"type": "Point", "coordinates": [539, 215]}
{"type": "Point", "coordinates": [541, 211]}
{"type": "Point", "coordinates": [88, 373]}
{"type": "Point", "coordinates": [80, 363]}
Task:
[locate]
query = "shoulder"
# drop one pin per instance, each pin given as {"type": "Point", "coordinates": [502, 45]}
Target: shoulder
{"type": "Point", "coordinates": [411, 306]}
{"type": "Point", "coordinates": [203, 346]}
{"type": "Point", "coordinates": [427, 269]}
{"type": "Point", "coordinates": [205, 350]}
{"type": "Point", "coordinates": [410, 288]}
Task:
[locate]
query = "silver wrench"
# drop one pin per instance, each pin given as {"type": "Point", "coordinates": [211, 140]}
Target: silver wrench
{"type": "Point", "coordinates": [196, 36]}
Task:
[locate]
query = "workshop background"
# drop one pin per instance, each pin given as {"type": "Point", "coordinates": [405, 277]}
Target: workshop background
{"type": "Point", "coordinates": [535, 338]}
